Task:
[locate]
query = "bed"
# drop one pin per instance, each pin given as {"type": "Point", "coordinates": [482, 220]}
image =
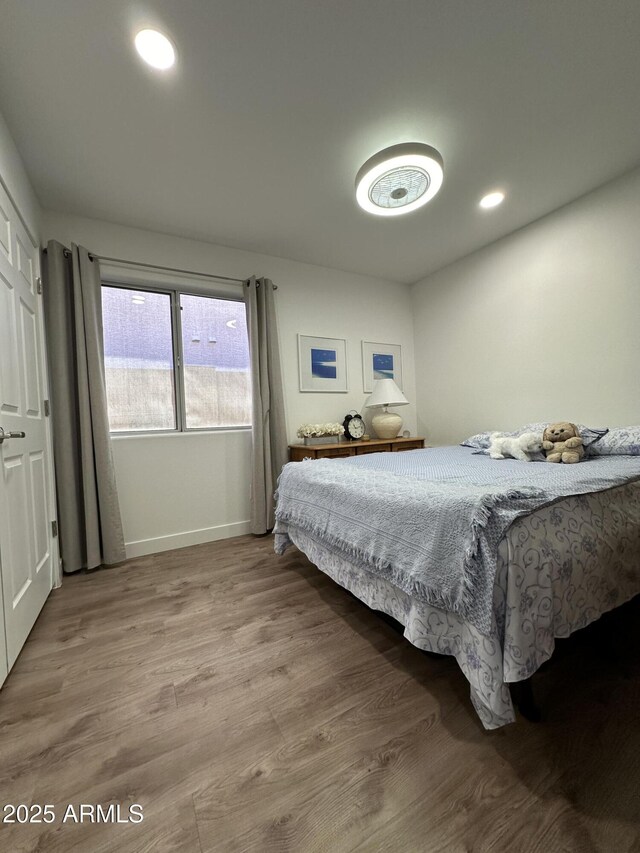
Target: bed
{"type": "Point", "coordinates": [488, 561]}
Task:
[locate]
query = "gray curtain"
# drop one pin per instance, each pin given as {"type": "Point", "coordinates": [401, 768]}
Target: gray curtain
{"type": "Point", "coordinates": [269, 434]}
{"type": "Point", "coordinates": [90, 526]}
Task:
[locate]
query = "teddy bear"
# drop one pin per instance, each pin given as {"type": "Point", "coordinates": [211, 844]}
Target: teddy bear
{"type": "Point", "coordinates": [562, 443]}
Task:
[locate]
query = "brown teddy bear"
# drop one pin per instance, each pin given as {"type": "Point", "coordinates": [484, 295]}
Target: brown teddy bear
{"type": "Point", "coordinates": [562, 443]}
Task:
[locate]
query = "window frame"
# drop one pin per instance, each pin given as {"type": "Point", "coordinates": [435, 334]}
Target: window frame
{"type": "Point", "coordinates": [179, 397]}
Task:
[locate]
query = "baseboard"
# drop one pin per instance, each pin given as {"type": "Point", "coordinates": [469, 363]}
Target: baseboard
{"type": "Point", "coordinates": [189, 537]}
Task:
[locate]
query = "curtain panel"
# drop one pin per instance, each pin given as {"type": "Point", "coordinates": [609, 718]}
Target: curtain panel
{"type": "Point", "coordinates": [269, 435]}
{"type": "Point", "coordinates": [90, 526]}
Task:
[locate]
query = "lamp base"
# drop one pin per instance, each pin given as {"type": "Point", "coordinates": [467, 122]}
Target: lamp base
{"type": "Point", "coordinates": [386, 424]}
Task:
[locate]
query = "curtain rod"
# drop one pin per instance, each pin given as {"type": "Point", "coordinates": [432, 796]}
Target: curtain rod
{"type": "Point", "coordinates": [92, 255]}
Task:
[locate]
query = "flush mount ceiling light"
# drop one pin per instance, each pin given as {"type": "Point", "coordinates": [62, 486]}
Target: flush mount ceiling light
{"type": "Point", "coordinates": [399, 179]}
{"type": "Point", "coordinates": [156, 49]}
{"type": "Point", "coordinates": [492, 200]}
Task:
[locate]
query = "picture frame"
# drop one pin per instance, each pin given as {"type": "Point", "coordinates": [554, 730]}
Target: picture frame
{"type": "Point", "coordinates": [322, 364]}
{"type": "Point", "coordinates": [380, 361]}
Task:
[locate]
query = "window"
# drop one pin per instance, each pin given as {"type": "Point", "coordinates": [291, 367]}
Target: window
{"type": "Point", "coordinates": [174, 361]}
{"type": "Point", "coordinates": [215, 353]}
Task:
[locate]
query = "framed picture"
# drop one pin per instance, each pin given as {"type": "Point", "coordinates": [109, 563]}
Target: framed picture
{"type": "Point", "coordinates": [322, 363]}
{"type": "Point", "coordinates": [381, 361]}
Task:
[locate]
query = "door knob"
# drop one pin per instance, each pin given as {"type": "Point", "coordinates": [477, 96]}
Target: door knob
{"type": "Point", "coordinates": [5, 435]}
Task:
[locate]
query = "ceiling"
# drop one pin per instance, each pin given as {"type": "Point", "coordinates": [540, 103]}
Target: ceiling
{"type": "Point", "coordinates": [254, 139]}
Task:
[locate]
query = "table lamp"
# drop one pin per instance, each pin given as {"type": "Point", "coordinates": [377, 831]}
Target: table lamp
{"type": "Point", "coordinates": [386, 393]}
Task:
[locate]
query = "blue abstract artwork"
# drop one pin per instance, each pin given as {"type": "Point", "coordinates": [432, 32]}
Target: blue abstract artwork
{"type": "Point", "coordinates": [382, 366]}
{"type": "Point", "coordinates": [324, 363]}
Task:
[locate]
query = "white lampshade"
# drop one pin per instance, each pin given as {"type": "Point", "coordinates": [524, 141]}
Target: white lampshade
{"type": "Point", "coordinates": [386, 393]}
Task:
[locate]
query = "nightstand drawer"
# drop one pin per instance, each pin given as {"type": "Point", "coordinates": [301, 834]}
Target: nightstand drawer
{"type": "Point", "coordinates": [374, 448]}
{"type": "Point", "coordinates": [336, 453]}
{"type": "Point", "coordinates": [418, 444]}
{"type": "Point", "coordinates": [342, 449]}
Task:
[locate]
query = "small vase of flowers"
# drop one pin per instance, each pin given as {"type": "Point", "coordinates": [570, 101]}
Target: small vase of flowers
{"type": "Point", "coordinates": [320, 433]}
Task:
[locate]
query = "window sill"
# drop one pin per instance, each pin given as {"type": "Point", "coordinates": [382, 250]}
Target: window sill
{"type": "Point", "coordinates": [120, 436]}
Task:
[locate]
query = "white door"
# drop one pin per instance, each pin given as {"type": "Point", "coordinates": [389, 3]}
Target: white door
{"type": "Point", "coordinates": [26, 547]}
{"type": "Point", "coordinates": [4, 664]}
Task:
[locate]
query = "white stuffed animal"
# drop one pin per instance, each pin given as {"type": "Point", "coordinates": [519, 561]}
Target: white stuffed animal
{"type": "Point", "coordinates": [519, 447]}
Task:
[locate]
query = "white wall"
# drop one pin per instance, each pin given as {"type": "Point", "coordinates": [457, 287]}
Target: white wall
{"type": "Point", "coordinates": [179, 489]}
{"type": "Point", "coordinates": [542, 325]}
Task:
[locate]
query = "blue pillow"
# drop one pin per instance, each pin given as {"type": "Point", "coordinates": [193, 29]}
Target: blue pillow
{"type": "Point", "coordinates": [480, 441]}
{"type": "Point", "coordinates": [619, 441]}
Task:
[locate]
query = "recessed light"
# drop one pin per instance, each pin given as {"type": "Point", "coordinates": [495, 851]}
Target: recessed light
{"type": "Point", "coordinates": [155, 48]}
{"type": "Point", "coordinates": [492, 200]}
{"type": "Point", "coordinates": [137, 300]}
{"type": "Point", "coordinates": [399, 179]}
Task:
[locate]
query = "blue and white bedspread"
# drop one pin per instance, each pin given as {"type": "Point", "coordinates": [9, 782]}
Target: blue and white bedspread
{"type": "Point", "coordinates": [430, 521]}
{"type": "Point", "coordinates": [556, 569]}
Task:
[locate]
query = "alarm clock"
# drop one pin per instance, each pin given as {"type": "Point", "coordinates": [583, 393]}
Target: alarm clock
{"type": "Point", "coordinates": [354, 427]}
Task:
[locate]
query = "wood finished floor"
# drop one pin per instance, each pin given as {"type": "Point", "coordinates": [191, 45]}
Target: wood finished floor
{"type": "Point", "coordinates": [250, 704]}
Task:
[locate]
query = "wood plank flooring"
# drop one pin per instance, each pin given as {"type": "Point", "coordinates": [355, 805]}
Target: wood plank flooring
{"type": "Point", "coordinates": [250, 704]}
